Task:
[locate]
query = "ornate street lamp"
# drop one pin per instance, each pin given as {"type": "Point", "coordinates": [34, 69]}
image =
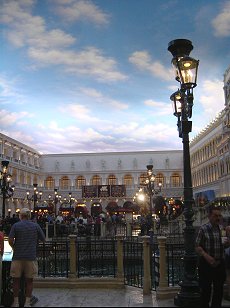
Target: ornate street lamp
{"type": "Point", "coordinates": [35, 197]}
{"type": "Point", "coordinates": [6, 190]}
{"type": "Point", "coordinates": [67, 204]}
{"type": "Point", "coordinates": [148, 189]}
{"type": "Point", "coordinates": [186, 74]}
{"type": "Point", "coordinates": [70, 200]}
{"type": "Point", "coordinates": [150, 186]}
{"type": "Point", "coordinates": [55, 200]}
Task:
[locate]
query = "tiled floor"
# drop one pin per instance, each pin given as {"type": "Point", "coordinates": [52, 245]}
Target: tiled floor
{"type": "Point", "coordinates": [127, 297]}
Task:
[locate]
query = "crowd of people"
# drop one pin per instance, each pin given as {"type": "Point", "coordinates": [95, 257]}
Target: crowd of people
{"type": "Point", "coordinates": [69, 223]}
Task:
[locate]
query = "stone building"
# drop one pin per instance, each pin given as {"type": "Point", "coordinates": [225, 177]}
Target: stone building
{"type": "Point", "coordinates": [210, 155]}
{"type": "Point", "coordinates": [70, 173]}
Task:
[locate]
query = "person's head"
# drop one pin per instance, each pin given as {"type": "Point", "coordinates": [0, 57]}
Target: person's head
{"type": "Point", "coordinates": [25, 213]}
{"type": "Point", "coordinates": [214, 214]}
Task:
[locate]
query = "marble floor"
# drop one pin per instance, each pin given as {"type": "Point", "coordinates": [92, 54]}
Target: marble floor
{"type": "Point", "coordinates": [127, 297]}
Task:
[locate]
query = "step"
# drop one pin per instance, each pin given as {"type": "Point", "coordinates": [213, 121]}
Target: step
{"type": "Point", "coordinates": [84, 282]}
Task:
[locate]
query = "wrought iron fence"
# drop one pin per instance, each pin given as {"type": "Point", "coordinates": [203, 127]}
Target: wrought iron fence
{"type": "Point", "coordinates": [96, 257]}
{"type": "Point", "coordinates": [175, 256]}
{"type": "Point", "coordinates": [133, 261]}
{"type": "Point", "coordinates": [53, 259]}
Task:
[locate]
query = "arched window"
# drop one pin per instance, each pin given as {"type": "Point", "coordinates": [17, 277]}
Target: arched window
{"type": "Point", "coordinates": [128, 180]}
{"type": "Point", "coordinates": [65, 182]}
{"type": "Point", "coordinates": [22, 177]}
{"type": "Point", "coordinates": [49, 182]}
{"type": "Point", "coordinates": [175, 180]}
{"type": "Point", "coordinates": [35, 180]}
{"type": "Point", "coordinates": [28, 179]}
{"type": "Point", "coordinates": [159, 179]}
{"type": "Point", "coordinates": [142, 178]}
{"type": "Point", "coordinates": [96, 180]}
{"type": "Point", "coordinates": [111, 180]}
{"type": "Point", "coordinates": [15, 154]}
{"type": "Point", "coordinates": [80, 181]}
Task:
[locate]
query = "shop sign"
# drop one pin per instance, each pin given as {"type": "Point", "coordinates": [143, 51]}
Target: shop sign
{"type": "Point", "coordinates": [103, 191]}
{"type": "Point", "coordinates": [89, 191]}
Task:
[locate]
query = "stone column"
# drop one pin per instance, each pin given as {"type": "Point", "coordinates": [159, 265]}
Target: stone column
{"type": "Point", "coordinates": [146, 265]}
{"type": "Point", "coordinates": [103, 225]}
{"type": "Point", "coordinates": [129, 228]}
{"type": "Point", "coordinates": [73, 256]}
{"type": "Point", "coordinates": [161, 244]}
{"type": "Point", "coordinates": [164, 291]}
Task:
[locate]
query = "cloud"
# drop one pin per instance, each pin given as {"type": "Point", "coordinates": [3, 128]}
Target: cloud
{"type": "Point", "coordinates": [21, 137]}
{"type": "Point", "coordinates": [126, 137]}
{"type": "Point", "coordinates": [221, 22]}
{"type": "Point", "coordinates": [77, 10]}
{"type": "Point", "coordinates": [47, 48]}
{"type": "Point", "coordinates": [9, 94]}
{"type": "Point", "coordinates": [213, 101]}
{"type": "Point", "coordinates": [142, 60]}
{"type": "Point", "coordinates": [8, 119]}
{"type": "Point", "coordinates": [24, 29]}
{"type": "Point", "coordinates": [78, 111]}
{"type": "Point", "coordinates": [102, 99]}
{"type": "Point", "coordinates": [159, 108]}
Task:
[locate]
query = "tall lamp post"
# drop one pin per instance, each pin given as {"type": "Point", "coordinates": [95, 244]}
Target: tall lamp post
{"type": "Point", "coordinates": [70, 201]}
{"type": "Point", "coordinates": [186, 74]}
{"type": "Point", "coordinates": [7, 191]}
{"type": "Point", "coordinates": [36, 196]}
{"type": "Point", "coordinates": [148, 189]}
{"type": "Point", "coordinates": [150, 185]}
{"type": "Point", "coordinates": [55, 200]}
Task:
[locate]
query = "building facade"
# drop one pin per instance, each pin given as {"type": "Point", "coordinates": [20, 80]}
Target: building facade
{"type": "Point", "coordinates": [71, 173]}
{"type": "Point", "coordinates": [210, 154]}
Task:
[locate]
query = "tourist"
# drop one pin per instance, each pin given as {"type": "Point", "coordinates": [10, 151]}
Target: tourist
{"type": "Point", "coordinates": [211, 266]}
{"type": "Point", "coordinates": [23, 238]}
{"type": "Point", "coordinates": [59, 218]}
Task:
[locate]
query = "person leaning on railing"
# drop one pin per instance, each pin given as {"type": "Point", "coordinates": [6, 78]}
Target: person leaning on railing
{"type": "Point", "coordinates": [211, 266]}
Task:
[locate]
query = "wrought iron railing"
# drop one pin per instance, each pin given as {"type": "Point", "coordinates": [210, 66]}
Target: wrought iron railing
{"type": "Point", "coordinates": [53, 259]}
{"type": "Point", "coordinates": [133, 262]}
{"type": "Point", "coordinates": [97, 257]}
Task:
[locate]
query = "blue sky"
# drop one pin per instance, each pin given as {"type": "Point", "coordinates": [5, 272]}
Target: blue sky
{"type": "Point", "coordinates": [95, 76]}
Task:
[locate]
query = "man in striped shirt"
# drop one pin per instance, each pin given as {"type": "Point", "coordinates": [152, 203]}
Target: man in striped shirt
{"type": "Point", "coordinates": [23, 238]}
{"type": "Point", "coordinates": [211, 267]}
